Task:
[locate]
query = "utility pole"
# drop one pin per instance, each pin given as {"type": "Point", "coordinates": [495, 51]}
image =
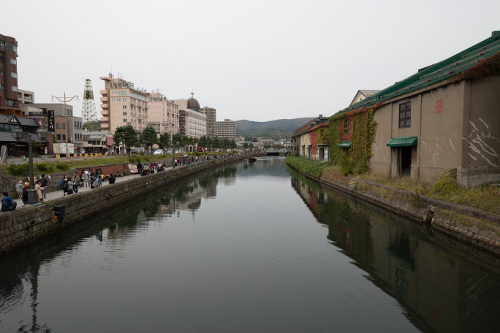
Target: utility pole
{"type": "Point", "coordinates": [65, 100]}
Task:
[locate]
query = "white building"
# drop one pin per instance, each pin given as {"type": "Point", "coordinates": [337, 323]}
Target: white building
{"type": "Point", "coordinates": [226, 129]}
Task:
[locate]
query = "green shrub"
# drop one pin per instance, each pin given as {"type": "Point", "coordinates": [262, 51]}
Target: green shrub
{"type": "Point", "coordinates": [42, 167]}
{"type": "Point", "coordinates": [61, 166]}
{"type": "Point", "coordinates": [310, 167]}
{"type": "Point", "coordinates": [18, 170]}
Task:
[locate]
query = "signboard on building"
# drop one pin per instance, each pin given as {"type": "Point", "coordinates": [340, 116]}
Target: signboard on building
{"type": "Point", "coordinates": [50, 125]}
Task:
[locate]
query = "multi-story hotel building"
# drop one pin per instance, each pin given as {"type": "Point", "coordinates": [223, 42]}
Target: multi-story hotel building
{"type": "Point", "coordinates": [226, 129]}
{"type": "Point", "coordinates": [123, 105]}
{"type": "Point", "coordinates": [192, 122]}
{"type": "Point", "coordinates": [163, 115]}
{"type": "Point", "coordinates": [9, 103]}
{"type": "Point", "coordinates": [211, 114]}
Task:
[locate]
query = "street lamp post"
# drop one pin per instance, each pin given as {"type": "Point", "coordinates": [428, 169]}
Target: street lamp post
{"type": "Point", "coordinates": [20, 135]}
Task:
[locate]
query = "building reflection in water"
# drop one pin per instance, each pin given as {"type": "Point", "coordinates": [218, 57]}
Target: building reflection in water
{"type": "Point", "coordinates": [441, 287]}
{"type": "Point", "coordinates": [19, 272]}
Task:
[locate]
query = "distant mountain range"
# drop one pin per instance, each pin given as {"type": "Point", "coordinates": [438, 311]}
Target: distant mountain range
{"type": "Point", "coordinates": [281, 128]}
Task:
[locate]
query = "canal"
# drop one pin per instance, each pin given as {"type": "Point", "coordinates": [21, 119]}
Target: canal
{"type": "Point", "coordinates": [248, 248]}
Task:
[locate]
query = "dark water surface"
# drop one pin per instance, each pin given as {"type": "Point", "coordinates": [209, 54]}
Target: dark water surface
{"type": "Point", "coordinates": [248, 248]}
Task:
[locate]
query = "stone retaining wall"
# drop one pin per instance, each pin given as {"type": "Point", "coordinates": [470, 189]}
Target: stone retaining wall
{"type": "Point", "coordinates": [466, 228]}
{"type": "Point", "coordinates": [26, 225]}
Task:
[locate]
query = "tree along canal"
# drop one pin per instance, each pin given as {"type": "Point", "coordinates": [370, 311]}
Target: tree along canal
{"type": "Point", "coordinates": [248, 248]}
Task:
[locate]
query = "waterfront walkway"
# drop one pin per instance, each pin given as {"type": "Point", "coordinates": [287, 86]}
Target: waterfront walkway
{"type": "Point", "coordinates": [60, 193]}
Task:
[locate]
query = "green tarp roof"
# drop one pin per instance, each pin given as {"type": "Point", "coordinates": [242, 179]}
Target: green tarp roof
{"type": "Point", "coordinates": [402, 142]}
{"type": "Point", "coordinates": [345, 144]}
{"type": "Point", "coordinates": [436, 73]}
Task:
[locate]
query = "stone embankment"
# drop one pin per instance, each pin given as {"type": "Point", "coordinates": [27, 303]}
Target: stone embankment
{"type": "Point", "coordinates": [31, 223]}
{"type": "Point", "coordinates": [460, 222]}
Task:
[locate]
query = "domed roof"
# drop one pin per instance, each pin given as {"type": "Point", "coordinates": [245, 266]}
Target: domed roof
{"type": "Point", "coordinates": [193, 103]}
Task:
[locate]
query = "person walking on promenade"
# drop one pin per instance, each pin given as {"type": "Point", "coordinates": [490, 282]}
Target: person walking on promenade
{"type": "Point", "coordinates": [76, 182]}
{"type": "Point", "coordinates": [39, 190]}
{"type": "Point", "coordinates": [25, 193]}
{"type": "Point", "coordinates": [85, 178]}
{"type": "Point", "coordinates": [45, 182]}
{"type": "Point", "coordinates": [19, 189]}
{"type": "Point", "coordinates": [64, 185]}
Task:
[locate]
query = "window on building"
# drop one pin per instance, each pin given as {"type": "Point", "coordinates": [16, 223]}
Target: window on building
{"type": "Point", "coordinates": [14, 88]}
{"type": "Point", "coordinates": [58, 136]}
{"type": "Point", "coordinates": [124, 99]}
{"type": "Point", "coordinates": [347, 126]}
{"type": "Point", "coordinates": [13, 74]}
{"type": "Point", "coordinates": [118, 99]}
{"type": "Point", "coordinates": [11, 102]}
{"type": "Point", "coordinates": [124, 113]}
{"type": "Point", "coordinates": [405, 115]}
{"type": "Point", "coordinates": [2, 44]}
{"type": "Point", "coordinates": [124, 120]}
{"type": "Point", "coordinates": [64, 136]}
{"type": "Point", "coordinates": [114, 91]}
{"type": "Point", "coordinates": [58, 125]}
{"type": "Point", "coordinates": [122, 93]}
{"type": "Point", "coordinates": [11, 47]}
{"type": "Point", "coordinates": [2, 87]}
{"type": "Point", "coordinates": [113, 99]}
{"type": "Point", "coordinates": [1, 73]}
{"type": "Point", "coordinates": [13, 61]}
{"type": "Point", "coordinates": [63, 125]}
{"type": "Point", "coordinates": [124, 106]}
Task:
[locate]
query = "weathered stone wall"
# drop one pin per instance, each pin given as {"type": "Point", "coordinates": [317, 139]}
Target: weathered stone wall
{"type": "Point", "coordinates": [23, 226]}
{"type": "Point", "coordinates": [462, 223]}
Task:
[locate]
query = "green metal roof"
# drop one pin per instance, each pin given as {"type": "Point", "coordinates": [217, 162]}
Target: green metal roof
{"type": "Point", "coordinates": [345, 144]}
{"type": "Point", "coordinates": [436, 73]}
{"type": "Point", "coordinates": [403, 142]}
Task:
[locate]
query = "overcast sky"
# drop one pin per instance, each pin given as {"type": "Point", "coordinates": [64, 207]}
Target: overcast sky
{"type": "Point", "coordinates": [251, 59]}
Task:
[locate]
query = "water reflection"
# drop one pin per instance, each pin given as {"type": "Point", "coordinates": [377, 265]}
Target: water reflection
{"type": "Point", "coordinates": [20, 271]}
{"type": "Point", "coordinates": [252, 266]}
{"type": "Point", "coordinates": [441, 287]}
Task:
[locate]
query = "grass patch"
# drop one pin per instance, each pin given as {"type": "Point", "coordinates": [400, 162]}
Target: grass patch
{"type": "Point", "coordinates": [310, 167]}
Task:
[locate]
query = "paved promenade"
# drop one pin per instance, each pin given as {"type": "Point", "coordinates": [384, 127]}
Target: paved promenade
{"type": "Point", "coordinates": [59, 193]}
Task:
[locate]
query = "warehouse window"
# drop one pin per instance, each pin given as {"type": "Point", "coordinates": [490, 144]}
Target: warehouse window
{"type": "Point", "coordinates": [405, 115]}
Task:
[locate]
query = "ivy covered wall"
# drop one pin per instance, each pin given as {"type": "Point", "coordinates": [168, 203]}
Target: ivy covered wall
{"type": "Point", "coordinates": [358, 127]}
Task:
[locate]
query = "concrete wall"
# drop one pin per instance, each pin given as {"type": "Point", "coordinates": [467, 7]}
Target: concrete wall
{"type": "Point", "coordinates": [31, 223]}
{"type": "Point", "coordinates": [482, 134]}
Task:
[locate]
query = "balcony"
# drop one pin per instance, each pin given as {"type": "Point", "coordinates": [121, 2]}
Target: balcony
{"type": "Point", "coordinates": [104, 99]}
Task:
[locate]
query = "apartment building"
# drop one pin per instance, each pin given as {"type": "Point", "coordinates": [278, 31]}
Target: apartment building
{"type": "Point", "coordinates": [25, 97]}
{"type": "Point", "coordinates": [123, 104]}
{"type": "Point", "coordinates": [226, 129]}
{"type": "Point", "coordinates": [9, 103]}
{"type": "Point", "coordinates": [163, 115]}
{"type": "Point", "coordinates": [211, 114]}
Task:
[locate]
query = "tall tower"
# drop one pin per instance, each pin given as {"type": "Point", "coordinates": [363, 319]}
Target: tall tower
{"type": "Point", "coordinates": [89, 113]}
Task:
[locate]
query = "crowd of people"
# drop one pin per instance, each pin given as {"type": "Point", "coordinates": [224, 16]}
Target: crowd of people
{"type": "Point", "coordinates": [90, 179]}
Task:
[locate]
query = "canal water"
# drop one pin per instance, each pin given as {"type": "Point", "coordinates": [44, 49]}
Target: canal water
{"type": "Point", "coordinates": [250, 247]}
